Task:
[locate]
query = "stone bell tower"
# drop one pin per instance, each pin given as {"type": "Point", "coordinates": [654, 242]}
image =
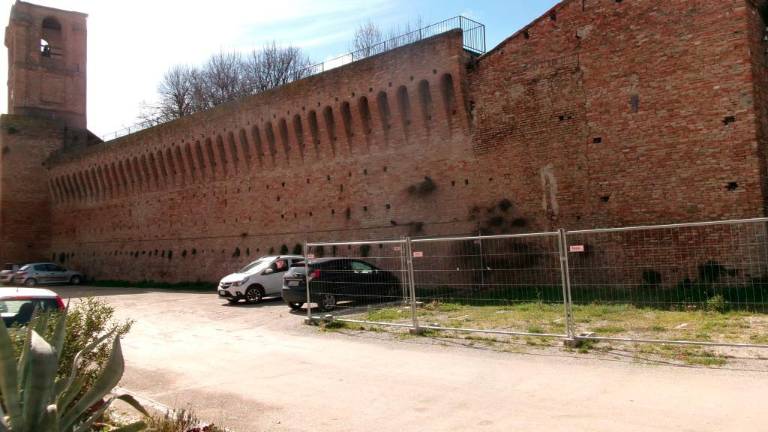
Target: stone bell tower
{"type": "Point", "coordinates": [47, 63]}
{"type": "Point", "coordinates": [46, 112]}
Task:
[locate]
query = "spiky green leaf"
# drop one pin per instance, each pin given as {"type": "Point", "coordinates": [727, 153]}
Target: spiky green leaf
{"type": "Point", "coordinates": [9, 387]}
{"type": "Point", "coordinates": [38, 391]}
{"type": "Point", "coordinates": [105, 382]}
{"type": "Point", "coordinates": [133, 427]}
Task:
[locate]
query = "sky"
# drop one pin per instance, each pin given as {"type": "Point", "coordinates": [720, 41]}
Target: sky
{"type": "Point", "coordinates": [132, 43]}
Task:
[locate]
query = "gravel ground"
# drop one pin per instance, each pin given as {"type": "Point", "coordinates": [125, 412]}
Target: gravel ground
{"type": "Point", "coordinates": [259, 368]}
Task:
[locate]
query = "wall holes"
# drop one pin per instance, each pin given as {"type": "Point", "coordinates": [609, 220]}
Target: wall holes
{"type": "Point", "coordinates": [597, 140]}
{"type": "Point", "coordinates": [732, 186]}
{"type": "Point", "coordinates": [634, 103]}
{"type": "Point", "coordinates": [387, 206]}
{"type": "Point", "coordinates": [728, 120]}
{"type": "Point", "coordinates": [605, 198]}
{"type": "Point", "coordinates": [466, 182]}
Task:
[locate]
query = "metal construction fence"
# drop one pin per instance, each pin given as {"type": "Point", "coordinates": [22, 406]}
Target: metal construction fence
{"type": "Point", "coordinates": [696, 283]}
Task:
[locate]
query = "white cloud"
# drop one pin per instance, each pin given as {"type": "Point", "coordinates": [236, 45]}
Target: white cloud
{"type": "Point", "coordinates": [131, 44]}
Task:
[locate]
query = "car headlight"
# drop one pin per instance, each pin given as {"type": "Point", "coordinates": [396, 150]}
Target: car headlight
{"type": "Point", "coordinates": [237, 283]}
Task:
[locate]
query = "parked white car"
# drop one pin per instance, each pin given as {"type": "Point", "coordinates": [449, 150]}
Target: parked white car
{"type": "Point", "coordinates": [259, 279]}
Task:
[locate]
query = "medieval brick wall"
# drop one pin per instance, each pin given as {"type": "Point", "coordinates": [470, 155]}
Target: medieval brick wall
{"type": "Point", "coordinates": [612, 113]}
{"type": "Point", "coordinates": [600, 113]}
{"type": "Point", "coordinates": [25, 200]}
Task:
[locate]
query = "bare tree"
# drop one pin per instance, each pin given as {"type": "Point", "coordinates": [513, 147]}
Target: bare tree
{"type": "Point", "coordinates": [224, 77]}
{"type": "Point", "coordinates": [273, 66]}
{"type": "Point", "coordinates": [366, 36]}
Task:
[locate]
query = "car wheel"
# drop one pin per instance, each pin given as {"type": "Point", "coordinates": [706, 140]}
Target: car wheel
{"type": "Point", "coordinates": [253, 295]}
{"type": "Point", "coordinates": [74, 280]}
{"type": "Point", "coordinates": [30, 282]}
{"type": "Point", "coordinates": [295, 306]}
{"type": "Point", "coordinates": [327, 302]}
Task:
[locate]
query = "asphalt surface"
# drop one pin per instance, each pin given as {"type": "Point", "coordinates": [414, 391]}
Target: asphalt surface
{"type": "Point", "coordinates": [259, 368]}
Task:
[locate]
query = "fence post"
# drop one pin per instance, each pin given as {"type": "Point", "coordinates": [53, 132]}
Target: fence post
{"type": "Point", "coordinates": [306, 277]}
{"type": "Point", "coordinates": [412, 286]}
{"type": "Point", "coordinates": [566, 282]}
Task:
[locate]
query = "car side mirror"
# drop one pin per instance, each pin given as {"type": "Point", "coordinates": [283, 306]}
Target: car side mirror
{"type": "Point", "coordinates": [269, 271]}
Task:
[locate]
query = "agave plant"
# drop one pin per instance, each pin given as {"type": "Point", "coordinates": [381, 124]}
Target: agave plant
{"type": "Point", "coordinates": [34, 400]}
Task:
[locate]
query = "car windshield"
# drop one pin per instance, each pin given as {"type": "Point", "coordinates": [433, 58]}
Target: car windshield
{"type": "Point", "coordinates": [19, 311]}
{"type": "Point", "coordinates": [25, 268]}
{"type": "Point", "coordinates": [256, 266]}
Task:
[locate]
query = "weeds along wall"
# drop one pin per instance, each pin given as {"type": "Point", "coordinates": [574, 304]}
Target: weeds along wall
{"type": "Point", "coordinates": [599, 113]}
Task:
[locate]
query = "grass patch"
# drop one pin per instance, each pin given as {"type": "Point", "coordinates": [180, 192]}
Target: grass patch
{"type": "Point", "coordinates": [185, 286]}
{"type": "Point", "coordinates": [609, 329]}
{"type": "Point", "coordinates": [387, 315]}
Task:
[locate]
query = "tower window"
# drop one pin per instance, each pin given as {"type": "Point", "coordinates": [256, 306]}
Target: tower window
{"type": "Point", "coordinates": [51, 40]}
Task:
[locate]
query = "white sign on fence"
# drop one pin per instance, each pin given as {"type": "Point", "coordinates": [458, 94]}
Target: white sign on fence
{"type": "Point", "coordinates": [576, 248]}
{"type": "Point", "coordinates": [310, 256]}
{"type": "Point", "coordinates": [418, 254]}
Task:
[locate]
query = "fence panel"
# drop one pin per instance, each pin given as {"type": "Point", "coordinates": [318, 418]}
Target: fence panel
{"type": "Point", "coordinates": [506, 284]}
{"type": "Point", "coordinates": [354, 280]}
{"type": "Point", "coordinates": [705, 282]}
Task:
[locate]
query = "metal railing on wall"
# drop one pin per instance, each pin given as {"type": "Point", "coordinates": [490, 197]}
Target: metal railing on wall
{"type": "Point", "coordinates": [473, 41]}
{"type": "Point", "coordinates": [690, 284]}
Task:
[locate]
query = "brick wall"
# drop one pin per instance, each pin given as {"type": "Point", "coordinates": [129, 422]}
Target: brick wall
{"type": "Point", "coordinates": [600, 113]}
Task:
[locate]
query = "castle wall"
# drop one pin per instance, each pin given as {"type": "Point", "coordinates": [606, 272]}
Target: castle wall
{"type": "Point", "coordinates": [25, 203]}
{"type": "Point", "coordinates": [600, 113]}
{"type": "Point", "coordinates": [622, 113]}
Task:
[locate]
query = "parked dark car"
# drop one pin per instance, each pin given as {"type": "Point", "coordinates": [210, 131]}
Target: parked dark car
{"type": "Point", "coordinates": [338, 279]}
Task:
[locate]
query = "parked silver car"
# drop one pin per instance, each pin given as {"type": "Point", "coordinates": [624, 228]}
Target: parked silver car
{"type": "Point", "coordinates": [45, 273]}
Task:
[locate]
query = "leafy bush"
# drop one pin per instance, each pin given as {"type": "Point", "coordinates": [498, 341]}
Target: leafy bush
{"type": "Point", "coordinates": [35, 398]}
{"type": "Point", "coordinates": [717, 304]}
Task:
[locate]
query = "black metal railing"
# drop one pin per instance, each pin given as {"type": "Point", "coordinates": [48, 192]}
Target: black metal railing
{"type": "Point", "coordinates": [473, 40]}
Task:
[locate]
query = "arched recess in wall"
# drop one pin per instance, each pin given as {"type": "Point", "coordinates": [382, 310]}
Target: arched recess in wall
{"type": "Point", "coordinates": [385, 114]}
{"type": "Point", "coordinates": [106, 175]}
{"type": "Point", "coordinates": [77, 187]}
{"type": "Point", "coordinates": [404, 107]}
{"type": "Point", "coordinates": [330, 127]}
{"type": "Point", "coordinates": [425, 102]}
{"type": "Point", "coordinates": [346, 120]}
{"type": "Point", "coordinates": [365, 114]}
{"type": "Point", "coordinates": [314, 131]}
{"type": "Point", "coordinates": [163, 169]}
{"type": "Point", "coordinates": [271, 144]}
{"type": "Point", "coordinates": [125, 173]}
{"type": "Point", "coordinates": [209, 155]}
{"type": "Point", "coordinates": [170, 165]}
{"type": "Point", "coordinates": [298, 131]}
{"type": "Point", "coordinates": [180, 163]}
{"type": "Point", "coordinates": [95, 182]}
{"type": "Point", "coordinates": [153, 169]}
{"type": "Point", "coordinates": [105, 187]}
{"type": "Point", "coordinates": [449, 97]}
{"type": "Point", "coordinates": [119, 188]}
{"type": "Point", "coordinates": [200, 159]}
{"type": "Point", "coordinates": [190, 160]}
{"type": "Point", "coordinates": [221, 153]}
{"type": "Point", "coordinates": [52, 192]}
{"type": "Point", "coordinates": [73, 192]}
{"type": "Point", "coordinates": [141, 181]}
{"type": "Point", "coordinates": [257, 144]}
{"type": "Point", "coordinates": [283, 128]}
{"type": "Point", "coordinates": [233, 149]}
{"type": "Point", "coordinates": [145, 172]}
{"type": "Point", "coordinates": [87, 185]}
{"type": "Point", "coordinates": [245, 147]}
{"type": "Point", "coordinates": [66, 193]}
